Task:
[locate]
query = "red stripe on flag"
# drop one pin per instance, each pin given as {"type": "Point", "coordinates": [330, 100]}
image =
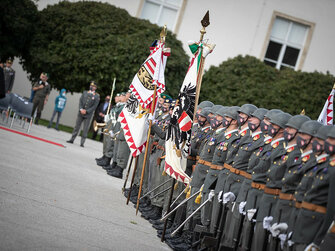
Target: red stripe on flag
{"type": "Point", "coordinates": [149, 66]}
{"type": "Point", "coordinates": [153, 62]}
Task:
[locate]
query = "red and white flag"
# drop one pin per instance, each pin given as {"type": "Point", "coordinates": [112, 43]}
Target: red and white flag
{"type": "Point", "coordinates": [326, 115]}
{"type": "Point", "coordinates": [150, 74]}
{"type": "Point", "coordinates": [134, 116]}
{"type": "Point", "coordinates": [178, 137]}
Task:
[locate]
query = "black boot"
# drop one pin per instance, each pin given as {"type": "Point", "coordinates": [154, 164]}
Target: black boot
{"type": "Point", "coordinates": [99, 159]}
{"type": "Point", "coordinates": [116, 172]}
{"type": "Point", "coordinates": [104, 162]}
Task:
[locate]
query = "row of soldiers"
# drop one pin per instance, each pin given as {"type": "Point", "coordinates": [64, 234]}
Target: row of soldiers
{"type": "Point", "coordinates": [261, 180]}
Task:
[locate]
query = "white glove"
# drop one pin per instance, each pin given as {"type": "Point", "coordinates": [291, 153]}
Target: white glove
{"type": "Point", "coordinates": [151, 117]}
{"type": "Point", "coordinates": [251, 213]}
{"type": "Point", "coordinates": [228, 197]}
{"type": "Point", "coordinates": [220, 196]}
{"type": "Point", "coordinates": [290, 243]}
{"type": "Point", "coordinates": [312, 247]}
{"type": "Point", "coordinates": [267, 222]}
{"type": "Point", "coordinates": [111, 134]}
{"type": "Point", "coordinates": [282, 238]}
{"type": "Point", "coordinates": [276, 229]}
{"type": "Point", "coordinates": [241, 207]}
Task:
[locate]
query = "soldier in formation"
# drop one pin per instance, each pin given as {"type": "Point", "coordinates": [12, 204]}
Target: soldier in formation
{"type": "Point", "coordinates": [260, 180]}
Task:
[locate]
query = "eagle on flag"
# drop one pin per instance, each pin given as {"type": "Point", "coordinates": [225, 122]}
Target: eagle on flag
{"type": "Point", "coordinates": [178, 137]}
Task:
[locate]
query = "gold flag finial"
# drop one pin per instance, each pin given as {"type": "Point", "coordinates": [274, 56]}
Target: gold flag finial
{"type": "Point", "coordinates": [163, 34]}
{"type": "Point", "coordinates": [302, 112]}
{"type": "Point", "coordinates": [334, 86]}
{"type": "Point", "coordinates": [204, 22]}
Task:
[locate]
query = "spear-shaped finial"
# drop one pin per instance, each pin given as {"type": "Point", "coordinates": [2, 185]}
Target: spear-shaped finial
{"type": "Point", "coordinates": [204, 22]}
{"type": "Point", "coordinates": [334, 86]}
{"type": "Point", "coordinates": [163, 34]}
{"type": "Point", "coordinates": [302, 112]}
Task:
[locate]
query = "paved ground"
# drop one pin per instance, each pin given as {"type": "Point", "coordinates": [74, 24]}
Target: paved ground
{"type": "Point", "coordinates": [54, 198]}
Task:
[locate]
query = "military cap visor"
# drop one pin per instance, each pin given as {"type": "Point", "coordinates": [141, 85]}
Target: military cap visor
{"type": "Point", "coordinates": [93, 84]}
{"type": "Point", "coordinates": [165, 96]}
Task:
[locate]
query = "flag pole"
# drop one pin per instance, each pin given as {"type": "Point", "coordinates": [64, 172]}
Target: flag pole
{"type": "Point", "coordinates": [162, 38]}
{"type": "Point", "coordinates": [132, 180]}
{"type": "Point", "coordinates": [128, 172]}
{"type": "Point", "coordinates": [204, 22]}
{"type": "Point", "coordinates": [110, 100]}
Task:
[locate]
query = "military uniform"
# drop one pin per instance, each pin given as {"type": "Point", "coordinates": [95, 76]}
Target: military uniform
{"type": "Point", "coordinates": [39, 98]}
{"type": "Point", "coordinates": [88, 101]}
{"type": "Point", "coordinates": [313, 206]}
{"type": "Point", "coordinates": [238, 181]}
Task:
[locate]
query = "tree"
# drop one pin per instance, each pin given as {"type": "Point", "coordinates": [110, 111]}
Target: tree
{"type": "Point", "coordinates": [17, 23]}
{"type": "Point", "coordinates": [248, 80]}
{"type": "Point", "coordinates": [83, 41]}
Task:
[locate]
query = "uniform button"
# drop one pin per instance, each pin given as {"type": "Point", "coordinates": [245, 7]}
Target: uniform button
{"type": "Point", "coordinates": [299, 183]}
{"type": "Point", "coordinates": [313, 216]}
{"type": "Point", "coordinates": [283, 179]}
{"type": "Point", "coordinates": [253, 172]}
{"type": "Point", "coordinates": [268, 179]}
{"type": "Point", "coordinates": [275, 197]}
{"type": "Point", "coordinates": [238, 180]}
{"type": "Point", "coordinates": [295, 192]}
{"type": "Point", "coordinates": [269, 171]}
{"type": "Point", "coordinates": [275, 162]}
{"type": "Point", "coordinates": [237, 154]}
{"type": "Point", "coordinates": [289, 171]}
{"type": "Point", "coordinates": [305, 175]}
{"type": "Point", "coordinates": [206, 171]}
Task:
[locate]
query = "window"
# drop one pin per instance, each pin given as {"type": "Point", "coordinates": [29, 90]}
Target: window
{"type": "Point", "coordinates": [162, 12]}
{"type": "Point", "coordinates": [286, 43]}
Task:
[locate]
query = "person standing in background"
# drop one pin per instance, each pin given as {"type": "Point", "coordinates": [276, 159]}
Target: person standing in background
{"type": "Point", "coordinates": [9, 75]}
{"type": "Point", "coordinates": [60, 103]}
{"type": "Point", "coordinates": [42, 90]}
{"type": "Point", "coordinates": [88, 102]}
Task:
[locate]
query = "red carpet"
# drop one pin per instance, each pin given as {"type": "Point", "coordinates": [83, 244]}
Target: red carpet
{"type": "Point", "coordinates": [30, 136]}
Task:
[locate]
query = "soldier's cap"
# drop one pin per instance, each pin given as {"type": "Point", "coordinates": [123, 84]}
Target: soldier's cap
{"type": "Point", "coordinates": [122, 94]}
{"type": "Point", "coordinates": [165, 96]}
{"type": "Point", "coordinates": [129, 91]}
{"type": "Point", "coordinates": [296, 121]}
{"type": "Point", "coordinates": [205, 111]}
{"type": "Point", "coordinates": [259, 113]}
{"type": "Point", "coordinates": [215, 108]}
{"type": "Point", "coordinates": [247, 109]}
{"type": "Point", "coordinates": [271, 113]}
{"type": "Point", "coordinates": [205, 103]}
{"type": "Point", "coordinates": [118, 95]}
{"type": "Point", "coordinates": [280, 119]}
{"type": "Point", "coordinates": [9, 60]}
{"type": "Point", "coordinates": [232, 112]}
{"type": "Point", "coordinates": [323, 131]}
{"type": "Point", "coordinates": [222, 111]}
{"type": "Point", "coordinates": [310, 127]}
{"type": "Point", "coordinates": [331, 133]}
{"type": "Point", "coordinates": [93, 83]}
{"type": "Point", "coordinates": [167, 101]}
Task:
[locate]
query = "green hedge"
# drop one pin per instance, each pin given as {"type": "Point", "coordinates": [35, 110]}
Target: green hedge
{"type": "Point", "coordinates": [245, 79]}
{"type": "Point", "coordinates": [83, 41]}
